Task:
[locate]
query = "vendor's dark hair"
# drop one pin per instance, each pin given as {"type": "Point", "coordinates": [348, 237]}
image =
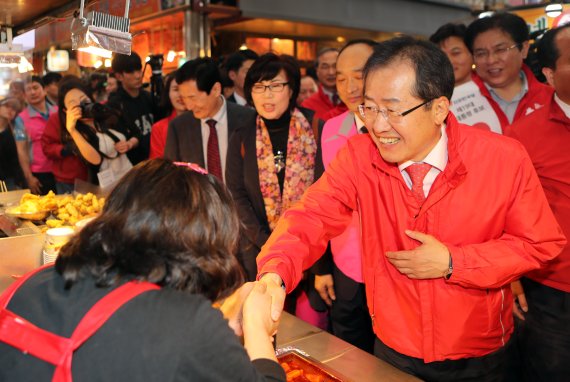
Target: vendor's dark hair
{"type": "Point", "coordinates": [434, 73]}
{"type": "Point", "coordinates": [547, 49]}
{"type": "Point", "coordinates": [268, 66]}
{"type": "Point", "coordinates": [163, 223]}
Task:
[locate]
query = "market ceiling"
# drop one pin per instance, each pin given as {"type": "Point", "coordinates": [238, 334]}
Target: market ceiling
{"type": "Point", "coordinates": [23, 15]}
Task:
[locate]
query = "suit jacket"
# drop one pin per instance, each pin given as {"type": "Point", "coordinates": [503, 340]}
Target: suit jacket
{"type": "Point", "coordinates": [231, 98]}
{"type": "Point", "coordinates": [242, 178]}
{"type": "Point", "coordinates": [184, 138]}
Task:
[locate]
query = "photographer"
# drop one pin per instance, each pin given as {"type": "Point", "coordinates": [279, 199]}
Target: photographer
{"type": "Point", "coordinates": [95, 132]}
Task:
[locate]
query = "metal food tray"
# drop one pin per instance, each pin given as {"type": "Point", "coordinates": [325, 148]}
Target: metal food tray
{"type": "Point", "coordinates": [309, 365]}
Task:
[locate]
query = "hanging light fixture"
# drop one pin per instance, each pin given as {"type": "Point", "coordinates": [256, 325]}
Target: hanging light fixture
{"type": "Point", "coordinates": [553, 10]}
{"type": "Point", "coordinates": [10, 54]}
{"type": "Point", "coordinates": [100, 33]}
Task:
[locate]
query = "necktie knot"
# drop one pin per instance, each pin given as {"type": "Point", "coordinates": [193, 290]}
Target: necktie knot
{"type": "Point", "coordinates": [417, 173]}
{"type": "Point", "coordinates": [211, 123]}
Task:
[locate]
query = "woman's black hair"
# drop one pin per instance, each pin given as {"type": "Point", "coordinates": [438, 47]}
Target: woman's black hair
{"type": "Point", "coordinates": [67, 84]}
{"type": "Point", "coordinates": [165, 102]}
{"type": "Point", "coordinates": [163, 223]}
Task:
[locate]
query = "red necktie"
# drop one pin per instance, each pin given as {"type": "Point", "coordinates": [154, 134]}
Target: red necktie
{"type": "Point", "coordinates": [214, 162]}
{"type": "Point", "coordinates": [417, 173]}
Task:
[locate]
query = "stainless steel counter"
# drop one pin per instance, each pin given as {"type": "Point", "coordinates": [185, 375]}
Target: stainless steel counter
{"type": "Point", "coordinates": [19, 255]}
{"type": "Point", "coordinates": [337, 354]}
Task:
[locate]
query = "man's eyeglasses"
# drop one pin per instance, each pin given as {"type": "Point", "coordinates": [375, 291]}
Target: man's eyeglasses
{"type": "Point", "coordinates": [276, 87]}
{"type": "Point", "coordinates": [370, 113]}
{"type": "Point", "coordinates": [483, 54]}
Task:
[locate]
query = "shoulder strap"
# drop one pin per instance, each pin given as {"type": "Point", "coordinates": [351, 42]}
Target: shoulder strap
{"type": "Point", "coordinates": [9, 292]}
{"type": "Point", "coordinates": [95, 318]}
{"type": "Point", "coordinates": [57, 350]}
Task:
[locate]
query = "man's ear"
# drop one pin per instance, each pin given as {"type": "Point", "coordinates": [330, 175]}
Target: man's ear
{"type": "Point", "coordinates": [232, 74]}
{"type": "Point", "coordinates": [440, 109]}
{"type": "Point", "coordinates": [216, 89]}
{"type": "Point", "coordinates": [524, 49]}
{"type": "Point", "coordinates": [549, 74]}
{"type": "Point", "coordinates": [119, 76]}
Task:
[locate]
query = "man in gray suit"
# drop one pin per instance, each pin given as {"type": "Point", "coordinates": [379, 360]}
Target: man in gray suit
{"type": "Point", "coordinates": [201, 135]}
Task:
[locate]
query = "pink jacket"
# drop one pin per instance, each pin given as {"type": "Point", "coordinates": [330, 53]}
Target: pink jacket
{"type": "Point", "coordinates": [346, 248]}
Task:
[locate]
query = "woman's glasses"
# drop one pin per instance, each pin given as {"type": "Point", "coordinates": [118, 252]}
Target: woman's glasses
{"type": "Point", "coordinates": [276, 87]}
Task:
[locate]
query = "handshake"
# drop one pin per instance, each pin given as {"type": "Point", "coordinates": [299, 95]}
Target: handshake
{"type": "Point", "coordinates": [253, 311]}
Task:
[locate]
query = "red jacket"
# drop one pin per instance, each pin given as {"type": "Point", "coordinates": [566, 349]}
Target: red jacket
{"type": "Point", "coordinates": [65, 169]}
{"type": "Point", "coordinates": [158, 136]}
{"type": "Point", "coordinates": [546, 136]}
{"type": "Point", "coordinates": [537, 96]}
{"type": "Point", "coordinates": [320, 103]}
{"type": "Point", "coordinates": [487, 207]}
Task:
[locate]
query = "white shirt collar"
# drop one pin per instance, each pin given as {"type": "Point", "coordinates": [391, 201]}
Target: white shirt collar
{"type": "Point", "coordinates": [359, 123]}
{"type": "Point", "coordinates": [221, 113]}
{"type": "Point", "coordinates": [239, 99]}
{"type": "Point", "coordinates": [437, 157]}
{"type": "Point", "coordinates": [564, 106]}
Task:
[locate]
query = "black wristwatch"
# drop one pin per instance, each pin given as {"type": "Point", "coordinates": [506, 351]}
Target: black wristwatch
{"type": "Point", "coordinates": [450, 270]}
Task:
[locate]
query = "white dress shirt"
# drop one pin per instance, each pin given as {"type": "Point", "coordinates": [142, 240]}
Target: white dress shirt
{"type": "Point", "coordinates": [437, 158]}
{"type": "Point", "coordinates": [240, 100]}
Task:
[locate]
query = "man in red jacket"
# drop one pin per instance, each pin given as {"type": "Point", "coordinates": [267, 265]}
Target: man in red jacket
{"type": "Point", "coordinates": [444, 228]}
{"type": "Point", "coordinates": [544, 338]}
{"type": "Point", "coordinates": [499, 45]}
{"type": "Point", "coordinates": [326, 98]}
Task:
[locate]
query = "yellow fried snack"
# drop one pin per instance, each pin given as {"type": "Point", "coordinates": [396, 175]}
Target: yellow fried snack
{"type": "Point", "coordinates": [54, 223]}
{"type": "Point", "coordinates": [69, 210]}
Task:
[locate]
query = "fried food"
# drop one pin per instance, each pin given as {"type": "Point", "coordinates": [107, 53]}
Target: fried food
{"type": "Point", "coordinates": [66, 210]}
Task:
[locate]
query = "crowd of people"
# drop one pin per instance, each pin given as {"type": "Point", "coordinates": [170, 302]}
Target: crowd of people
{"type": "Point", "coordinates": [387, 195]}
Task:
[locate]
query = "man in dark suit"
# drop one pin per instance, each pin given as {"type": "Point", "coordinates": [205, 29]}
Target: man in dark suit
{"type": "Point", "coordinates": [201, 135]}
{"type": "Point", "coordinates": [237, 66]}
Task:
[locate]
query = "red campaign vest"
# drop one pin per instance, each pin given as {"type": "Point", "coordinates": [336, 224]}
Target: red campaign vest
{"type": "Point", "coordinates": [54, 349]}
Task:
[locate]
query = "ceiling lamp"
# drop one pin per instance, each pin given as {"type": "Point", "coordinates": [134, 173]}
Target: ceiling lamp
{"type": "Point", "coordinates": [10, 54]}
{"type": "Point", "coordinates": [553, 10]}
{"type": "Point", "coordinates": [100, 33]}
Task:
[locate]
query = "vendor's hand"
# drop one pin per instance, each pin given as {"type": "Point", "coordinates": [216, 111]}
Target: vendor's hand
{"type": "Point", "coordinates": [324, 284]}
{"type": "Point", "coordinates": [257, 310]}
{"type": "Point", "coordinates": [73, 115]}
{"type": "Point", "coordinates": [273, 282]}
{"type": "Point", "coordinates": [34, 184]}
{"type": "Point", "coordinates": [430, 260]}
{"type": "Point", "coordinates": [232, 307]}
{"type": "Point", "coordinates": [520, 300]}
{"type": "Point", "coordinates": [122, 147]}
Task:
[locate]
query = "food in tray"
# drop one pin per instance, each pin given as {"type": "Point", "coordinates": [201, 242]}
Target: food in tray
{"type": "Point", "coordinates": [70, 210]}
{"type": "Point", "coordinates": [34, 207]}
{"type": "Point", "coordinates": [66, 210]}
{"type": "Point", "coordinates": [301, 369]}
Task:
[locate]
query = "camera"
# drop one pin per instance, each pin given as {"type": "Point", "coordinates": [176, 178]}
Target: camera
{"type": "Point", "coordinates": [93, 110]}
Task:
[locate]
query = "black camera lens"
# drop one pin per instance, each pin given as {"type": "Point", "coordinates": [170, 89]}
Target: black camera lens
{"type": "Point", "coordinates": [87, 109]}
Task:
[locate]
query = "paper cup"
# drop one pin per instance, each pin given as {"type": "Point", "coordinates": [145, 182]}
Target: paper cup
{"type": "Point", "coordinates": [55, 239]}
